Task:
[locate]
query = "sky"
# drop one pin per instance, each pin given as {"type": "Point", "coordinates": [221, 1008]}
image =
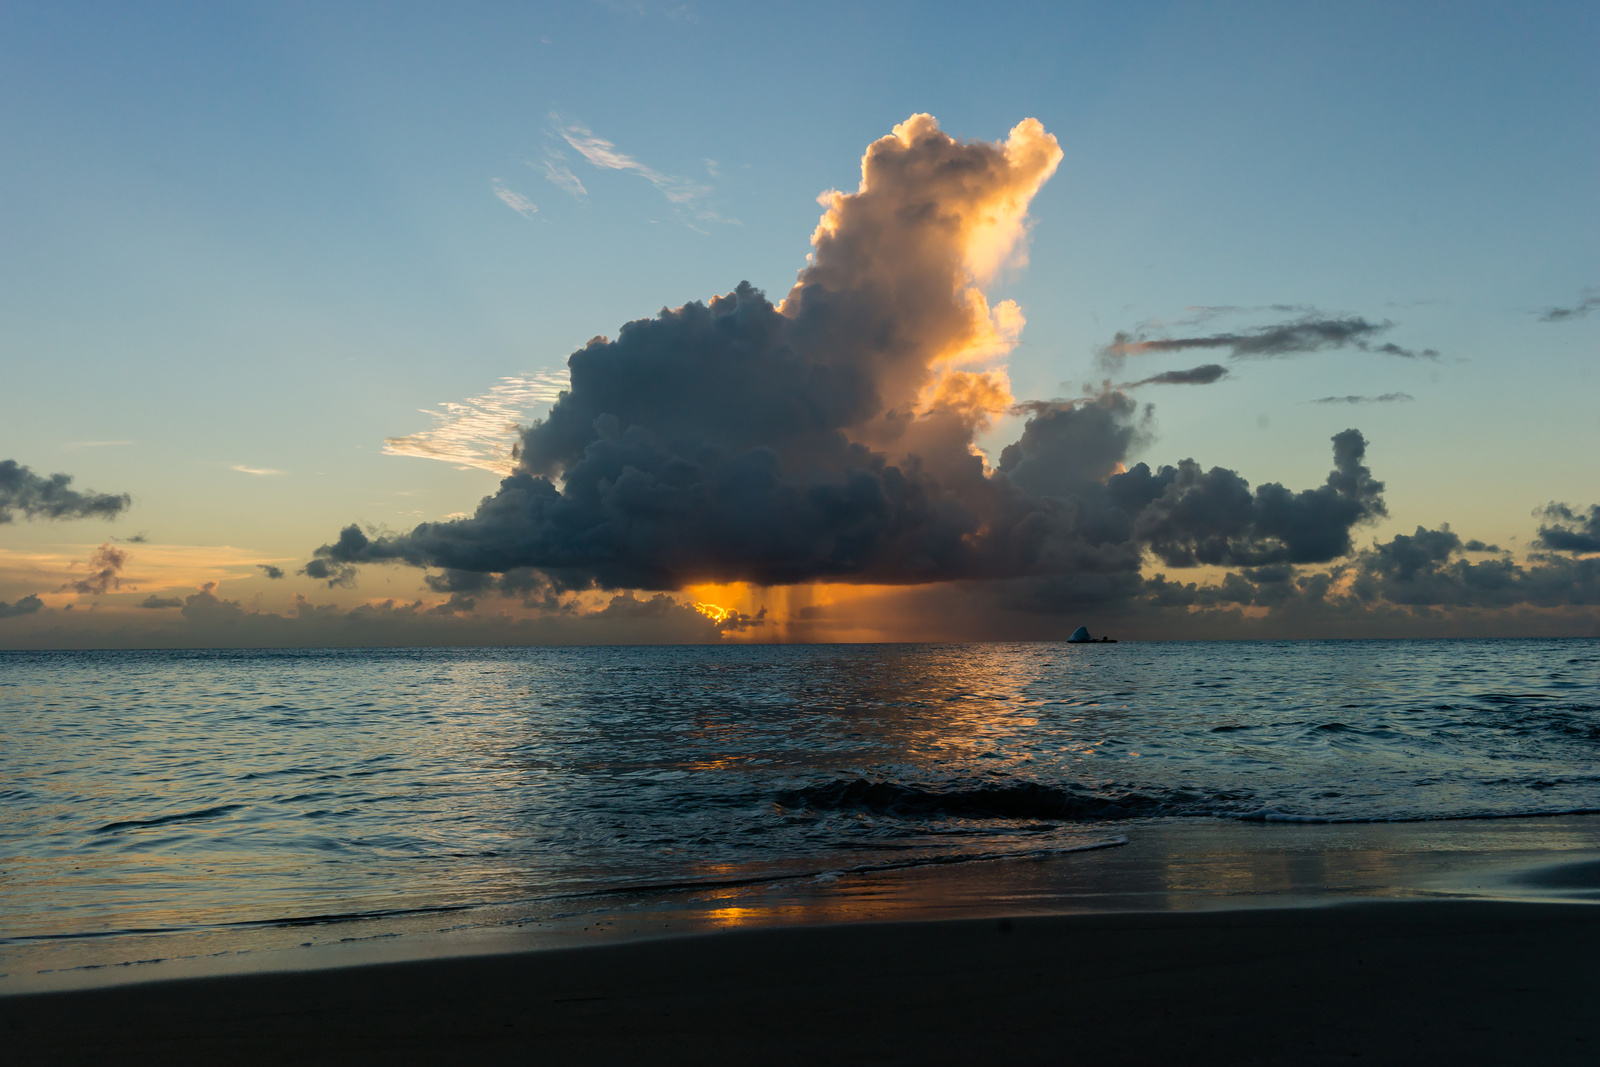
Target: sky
{"type": "Point", "coordinates": [271, 272]}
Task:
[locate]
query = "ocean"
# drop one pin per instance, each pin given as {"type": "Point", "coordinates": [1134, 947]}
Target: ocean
{"type": "Point", "coordinates": [214, 800]}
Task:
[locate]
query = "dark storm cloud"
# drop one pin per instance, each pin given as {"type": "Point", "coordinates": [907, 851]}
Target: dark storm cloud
{"type": "Point", "coordinates": [1413, 573]}
{"type": "Point", "coordinates": [1383, 398]}
{"type": "Point", "coordinates": [270, 571]}
{"type": "Point", "coordinates": [734, 440]}
{"type": "Point", "coordinates": [1424, 569]}
{"type": "Point", "coordinates": [28, 605]}
{"type": "Point", "coordinates": [105, 565]}
{"type": "Point", "coordinates": [156, 603]}
{"type": "Point", "coordinates": [37, 497]}
{"type": "Point", "coordinates": [1202, 375]}
{"type": "Point", "coordinates": [831, 438]}
{"type": "Point", "coordinates": [1589, 302]}
{"type": "Point", "coordinates": [1277, 341]}
{"type": "Point", "coordinates": [1566, 530]}
{"type": "Point", "coordinates": [1212, 517]}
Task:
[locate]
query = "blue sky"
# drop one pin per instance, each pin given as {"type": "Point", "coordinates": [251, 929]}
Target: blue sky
{"type": "Point", "coordinates": [264, 236]}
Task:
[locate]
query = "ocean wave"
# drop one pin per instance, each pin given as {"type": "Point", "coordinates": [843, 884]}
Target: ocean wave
{"type": "Point", "coordinates": [1037, 802]}
{"type": "Point", "coordinates": [1016, 801]}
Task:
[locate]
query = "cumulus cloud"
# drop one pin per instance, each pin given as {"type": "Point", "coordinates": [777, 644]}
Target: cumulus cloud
{"type": "Point", "coordinates": [270, 571]}
{"type": "Point", "coordinates": [336, 574]}
{"type": "Point", "coordinates": [34, 496]}
{"type": "Point", "coordinates": [1424, 568]}
{"type": "Point", "coordinates": [1590, 301]}
{"type": "Point", "coordinates": [105, 565]}
{"type": "Point", "coordinates": [157, 603]}
{"type": "Point", "coordinates": [28, 605]}
{"type": "Point", "coordinates": [1419, 582]}
{"type": "Point", "coordinates": [828, 435]}
{"type": "Point", "coordinates": [831, 436]}
{"type": "Point", "coordinates": [1212, 517]}
{"type": "Point", "coordinates": [1567, 530]}
{"type": "Point", "coordinates": [1384, 398]}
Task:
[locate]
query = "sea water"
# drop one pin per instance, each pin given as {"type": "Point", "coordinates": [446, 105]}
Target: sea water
{"type": "Point", "coordinates": [149, 793]}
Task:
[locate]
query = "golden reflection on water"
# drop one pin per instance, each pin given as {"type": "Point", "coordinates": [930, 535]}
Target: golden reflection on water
{"type": "Point", "coordinates": [1188, 865]}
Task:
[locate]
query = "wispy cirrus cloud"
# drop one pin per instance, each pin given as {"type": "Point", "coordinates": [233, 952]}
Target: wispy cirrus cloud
{"type": "Point", "coordinates": [556, 172]}
{"type": "Point", "coordinates": [242, 469]}
{"type": "Point", "coordinates": [682, 193]}
{"type": "Point", "coordinates": [481, 431]}
{"type": "Point", "coordinates": [514, 200]}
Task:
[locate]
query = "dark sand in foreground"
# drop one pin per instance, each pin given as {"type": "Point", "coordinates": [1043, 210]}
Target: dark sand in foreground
{"type": "Point", "coordinates": [1406, 983]}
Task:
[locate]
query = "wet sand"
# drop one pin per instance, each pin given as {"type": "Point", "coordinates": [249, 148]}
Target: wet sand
{"type": "Point", "coordinates": [1409, 982]}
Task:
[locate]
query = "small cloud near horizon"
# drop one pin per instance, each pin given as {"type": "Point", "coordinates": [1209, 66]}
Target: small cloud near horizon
{"type": "Point", "coordinates": [1385, 398]}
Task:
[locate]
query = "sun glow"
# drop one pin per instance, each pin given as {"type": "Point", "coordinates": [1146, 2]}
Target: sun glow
{"type": "Point", "coordinates": [812, 612]}
{"type": "Point", "coordinates": [714, 613]}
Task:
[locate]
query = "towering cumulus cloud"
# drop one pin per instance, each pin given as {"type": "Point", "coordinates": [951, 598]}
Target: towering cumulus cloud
{"type": "Point", "coordinates": [831, 436]}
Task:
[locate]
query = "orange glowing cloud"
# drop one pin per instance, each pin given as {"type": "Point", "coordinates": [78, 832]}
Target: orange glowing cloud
{"type": "Point", "coordinates": [936, 275]}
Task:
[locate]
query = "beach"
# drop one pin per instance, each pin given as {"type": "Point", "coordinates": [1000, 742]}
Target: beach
{"type": "Point", "coordinates": [1206, 943]}
{"type": "Point", "coordinates": [1393, 982]}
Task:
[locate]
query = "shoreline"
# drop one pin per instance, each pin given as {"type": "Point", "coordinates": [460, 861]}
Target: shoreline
{"type": "Point", "coordinates": [1165, 866]}
{"type": "Point", "coordinates": [1414, 981]}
